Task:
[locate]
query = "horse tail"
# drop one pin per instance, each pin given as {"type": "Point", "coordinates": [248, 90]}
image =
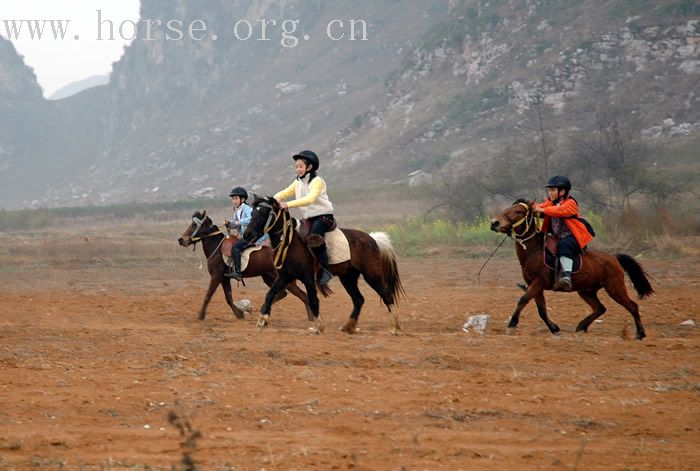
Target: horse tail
{"type": "Point", "coordinates": [637, 274]}
{"type": "Point", "coordinates": [390, 270]}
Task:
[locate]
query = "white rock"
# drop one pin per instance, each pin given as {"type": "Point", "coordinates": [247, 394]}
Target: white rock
{"type": "Point", "coordinates": [689, 322]}
{"type": "Point", "coordinates": [477, 323]}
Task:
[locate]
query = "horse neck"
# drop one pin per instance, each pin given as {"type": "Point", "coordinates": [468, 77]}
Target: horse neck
{"type": "Point", "coordinates": [532, 246]}
{"type": "Point", "coordinates": [210, 244]}
{"type": "Point", "coordinates": [276, 231]}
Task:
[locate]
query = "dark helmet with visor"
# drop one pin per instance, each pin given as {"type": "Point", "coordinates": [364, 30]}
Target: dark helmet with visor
{"type": "Point", "coordinates": [310, 156]}
{"type": "Point", "coordinates": [560, 182]}
{"type": "Point", "coordinates": [239, 191]}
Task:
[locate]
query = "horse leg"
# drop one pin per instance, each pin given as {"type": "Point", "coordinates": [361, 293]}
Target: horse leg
{"type": "Point", "coordinates": [591, 298]}
{"type": "Point", "coordinates": [299, 293]}
{"type": "Point", "coordinates": [532, 290]}
{"type": "Point", "coordinates": [265, 309]}
{"type": "Point", "coordinates": [213, 284]}
{"type": "Point", "coordinates": [617, 291]}
{"type": "Point", "coordinates": [269, 279]}
{"type": "Point", "coordinates": [349, 281]}
{"type": "Point", "coordinates": [387, 298]}
{"type": "Point", "coordinates": [542, 311]}
{"type": "Point", "coordinates": [310, 285]}
{"type": "Point", "coordinates": [226, 285]}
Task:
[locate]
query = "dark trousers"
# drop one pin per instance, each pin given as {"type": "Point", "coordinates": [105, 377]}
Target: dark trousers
{"type": "Point", "coordinates": [319, 226]}
{"type": "Point", "coordinates": [568, 247]}
{"type": "Point", "coordinates": [236, 252]}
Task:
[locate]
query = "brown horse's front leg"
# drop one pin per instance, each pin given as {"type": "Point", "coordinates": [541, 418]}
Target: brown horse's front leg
{"type": "Point", "coordinates": [542, 310]}
{"type": "Point", "coordinates": [533, 290]}
{"type": "Point", "coordinates": [226, 285]}
{"type": "Point", "coordinates": [265, 309]}
{"type": "Point", "coordinates": [213, 284]}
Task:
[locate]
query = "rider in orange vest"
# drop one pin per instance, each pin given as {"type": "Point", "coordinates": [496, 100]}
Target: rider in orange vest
{"type": "Point", "coordinates": [562, 219]}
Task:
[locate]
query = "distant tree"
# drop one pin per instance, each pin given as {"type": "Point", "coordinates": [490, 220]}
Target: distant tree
{"type": "Point", "coordinates": [461, 196]}
{"type": "Point", "coordinates": [610, 164]}
{"type": "Point", "coordinates": [523, 165]}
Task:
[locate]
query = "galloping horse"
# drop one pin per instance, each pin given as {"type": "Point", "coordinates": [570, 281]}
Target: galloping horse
{"type": "Point", "coordinates": [260, 264]}
{"type": "Point", "coordinates": [599, 270]}
{"type": "Point", "coordinates": [371, 255]}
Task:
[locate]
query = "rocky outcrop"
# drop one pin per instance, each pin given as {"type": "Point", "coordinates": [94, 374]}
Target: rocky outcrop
{"type": "Point", "coordinates": [435, 81]}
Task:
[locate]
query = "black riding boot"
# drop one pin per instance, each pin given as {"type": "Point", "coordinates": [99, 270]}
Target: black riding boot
{"type": "Point", "coordinates": [324, 274]}
{"type": "Point", "coordinates": [235, 271]}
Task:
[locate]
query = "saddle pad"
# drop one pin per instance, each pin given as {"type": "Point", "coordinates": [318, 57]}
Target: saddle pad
{"type": "Point", "coordinates": [245, 256]}
{"type": "Point", "coordinates": [338, 247]}
{"type": "Point", "coordinates": [337, 244]}
{"type": "Point", "coordinates": [549, 261]}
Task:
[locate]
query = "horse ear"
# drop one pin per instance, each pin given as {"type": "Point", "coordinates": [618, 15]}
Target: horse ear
{"type": "Point", "coordinates": [531, 203]}
{"type": "Point", "coordinates": [204, 213]}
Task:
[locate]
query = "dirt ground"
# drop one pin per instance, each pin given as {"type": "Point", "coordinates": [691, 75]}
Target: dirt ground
{"type": "Point", "coordinates": [94, 360]}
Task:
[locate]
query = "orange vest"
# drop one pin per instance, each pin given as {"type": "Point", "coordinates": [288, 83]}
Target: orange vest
{"type": "Point", "coordinates": [568, 210]}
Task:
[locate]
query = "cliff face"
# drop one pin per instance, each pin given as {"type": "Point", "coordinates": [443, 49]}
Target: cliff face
{"type": "Point", "coordinates": [23, 121]}
{"type": "Point", "coordinates": [435, 81]}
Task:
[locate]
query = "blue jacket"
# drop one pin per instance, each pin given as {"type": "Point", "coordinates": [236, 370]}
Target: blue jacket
{"type": "Point", "coordinates": [241, 218]}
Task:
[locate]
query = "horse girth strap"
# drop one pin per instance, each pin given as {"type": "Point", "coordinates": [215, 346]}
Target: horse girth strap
{"type": "Point", "coordinates": [285, 240]}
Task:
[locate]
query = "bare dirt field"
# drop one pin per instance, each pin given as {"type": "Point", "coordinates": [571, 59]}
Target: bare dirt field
{"type": "Point", "coordinates": [94, 359]}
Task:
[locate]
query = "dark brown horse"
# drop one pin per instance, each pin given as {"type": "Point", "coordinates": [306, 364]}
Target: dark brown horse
{"type": "Point", "coordinates": [371, 255]}
{"type": "Point", "coordinates": [599, 270]}
{"type": "Point", "coordinates": [260, 264]}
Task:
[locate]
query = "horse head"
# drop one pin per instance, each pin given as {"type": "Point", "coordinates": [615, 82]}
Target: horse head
{"type": "Point", "coordinates": [517, 219]}
{"type": "Point", "coordinates": [266, 213]}
{"type": "Point", "coordinates": [201, 225]}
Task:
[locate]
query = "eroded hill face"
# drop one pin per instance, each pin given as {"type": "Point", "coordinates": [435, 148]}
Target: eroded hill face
{"type": "Point", "coordinates": [435, 82]}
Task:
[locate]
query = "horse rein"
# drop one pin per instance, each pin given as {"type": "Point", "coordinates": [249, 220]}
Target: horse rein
{"type": "Point", "coordinates": [280, 252]}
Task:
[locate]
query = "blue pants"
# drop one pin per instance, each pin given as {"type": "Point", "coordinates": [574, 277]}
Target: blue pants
{"type": "Point", "coordinates": [321, 224]}
{"type": "Point", "coordinates": [568, 247]}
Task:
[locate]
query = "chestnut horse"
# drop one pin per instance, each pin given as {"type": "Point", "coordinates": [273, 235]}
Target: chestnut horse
{"type": "Point", "coordinates": [599, 270]}
{"type": "Point", "coordinates": [371, 255]}
{"type": "Point", "coordinates": [260, 264]}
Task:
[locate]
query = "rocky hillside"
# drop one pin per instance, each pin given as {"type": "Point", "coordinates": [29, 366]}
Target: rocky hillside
{"type": "Point", "coordinates": [436, 82]}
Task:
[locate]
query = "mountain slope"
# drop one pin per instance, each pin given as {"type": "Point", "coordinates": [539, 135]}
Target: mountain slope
{"type": "Point", "coordinates": [435, 82]}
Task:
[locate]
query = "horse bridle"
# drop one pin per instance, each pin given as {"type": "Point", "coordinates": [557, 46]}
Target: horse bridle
{"type": "Point", "coordinates": [528, 220]}
{"type": "Point", "coordinates": [199, 222]}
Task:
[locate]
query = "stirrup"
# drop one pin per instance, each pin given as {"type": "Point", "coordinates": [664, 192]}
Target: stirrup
{"type": "Point", "coordinates": [563, 283]}
{"type": "Point", "coordinates": [231, 273]}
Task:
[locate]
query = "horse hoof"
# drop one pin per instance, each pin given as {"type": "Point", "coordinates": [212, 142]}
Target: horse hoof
{"type": "Point", "coordinates": [579, 333]}
{"type": "Point", "coordinates": [395, 331]}
{"type": "Point", "coordinates": [350, 327]}
{"type": "Point", "coordinates": [317, 329]}
{"type": "Point", "coordinates": [263, 321]}
{"type": "Point", "coordinates": [512, 330]}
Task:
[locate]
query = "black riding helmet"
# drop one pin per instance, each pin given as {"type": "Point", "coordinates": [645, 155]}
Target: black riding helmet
{"type": "Point", "coordinates": [560, 182]}
{"type": "Point", "coordinates": [239, 191]}
{"type": "Point", "coordinates": [310, 156]}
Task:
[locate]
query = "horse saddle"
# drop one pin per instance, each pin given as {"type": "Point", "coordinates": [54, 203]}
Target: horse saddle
{"type": "Point", "coordinates": [337, 244]}
{"type": "Point", "coordinates": [227, 247]}
{"type": "Point", "coordinates": [550, 254]}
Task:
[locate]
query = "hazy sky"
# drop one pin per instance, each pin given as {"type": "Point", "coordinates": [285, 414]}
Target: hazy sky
{"type": "Point", "coordinates": [60, 62]}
